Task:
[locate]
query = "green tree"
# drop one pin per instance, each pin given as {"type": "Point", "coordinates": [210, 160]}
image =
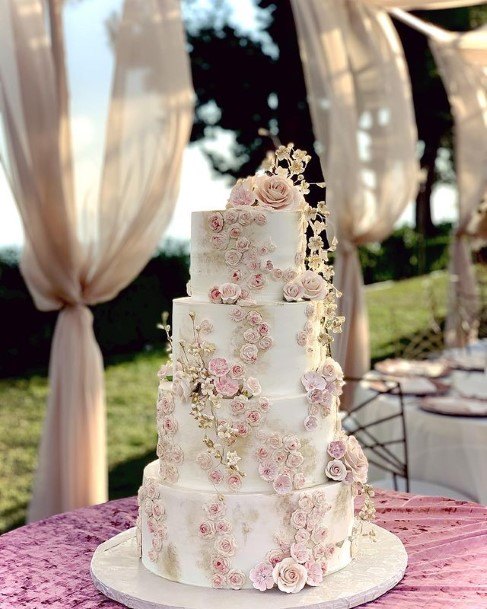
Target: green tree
{"type": "Point", "coordinates": [245, 81]}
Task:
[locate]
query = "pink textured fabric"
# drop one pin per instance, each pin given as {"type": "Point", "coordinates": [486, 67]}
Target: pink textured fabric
{"type": "Point", "coordinates": [46, 564]}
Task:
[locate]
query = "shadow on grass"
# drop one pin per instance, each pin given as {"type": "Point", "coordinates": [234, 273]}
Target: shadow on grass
{"type": "Point", "coordinates": [125, 478]}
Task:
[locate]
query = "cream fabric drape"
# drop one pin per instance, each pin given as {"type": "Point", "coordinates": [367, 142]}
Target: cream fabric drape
{"type": "Point", "coordinates": [80, 252]}
{"type": "Point", "coordinates": [462, 61]}
{"type": "Point", "coordinates": [363, 119]}
{"type": "Point", "coordinates": [423, 4]}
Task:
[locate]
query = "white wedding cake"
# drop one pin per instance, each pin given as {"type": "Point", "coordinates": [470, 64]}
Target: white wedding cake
{"type": "Point", "coordinates": [255, 480]}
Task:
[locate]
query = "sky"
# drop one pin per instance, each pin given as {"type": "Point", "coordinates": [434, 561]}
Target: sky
{"type": "Point", "coordinates": [90, 65]}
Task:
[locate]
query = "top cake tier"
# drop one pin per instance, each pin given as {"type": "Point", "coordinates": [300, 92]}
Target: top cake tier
{"type": "Point", "coordinates": [256, 251]}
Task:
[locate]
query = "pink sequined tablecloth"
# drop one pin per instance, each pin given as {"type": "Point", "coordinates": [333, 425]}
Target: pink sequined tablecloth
{"type": "Point", "coordinates": [47, 564]}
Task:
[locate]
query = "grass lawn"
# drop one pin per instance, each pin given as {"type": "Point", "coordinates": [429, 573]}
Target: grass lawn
{"type": "Point", "coordinates": [395, 309]}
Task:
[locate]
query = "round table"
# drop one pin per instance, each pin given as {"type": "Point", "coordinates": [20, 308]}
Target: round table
{"type": "Point", "coordinates": [47, 563]}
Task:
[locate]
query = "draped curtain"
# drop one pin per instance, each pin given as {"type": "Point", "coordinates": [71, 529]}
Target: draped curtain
{"type": "Point", "coordinates": [462, 61]}
{"type": "Point", "coordinates": [360, 100]}
{"type": "Point", "coordinates": [82, 251]}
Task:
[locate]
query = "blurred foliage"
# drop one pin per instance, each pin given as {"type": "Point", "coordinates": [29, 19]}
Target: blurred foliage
{"type": "Point", "coordinates": [250, 79]}
{"type": "Point", "coordinates": [128, 323]}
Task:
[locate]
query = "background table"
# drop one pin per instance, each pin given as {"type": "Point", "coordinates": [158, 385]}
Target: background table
{"type": "Point", "coordinates": [46, 564]}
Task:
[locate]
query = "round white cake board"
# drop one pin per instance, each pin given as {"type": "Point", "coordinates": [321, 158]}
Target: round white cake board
{"type": "Point", "coordinates": [118, 573]}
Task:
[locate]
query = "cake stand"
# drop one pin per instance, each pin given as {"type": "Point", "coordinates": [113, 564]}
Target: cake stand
{"type": "Point", "coordinates": [379, 565]}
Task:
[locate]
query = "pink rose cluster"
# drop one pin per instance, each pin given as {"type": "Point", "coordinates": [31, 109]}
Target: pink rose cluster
{"type": "Point", "coordinates": [216, 532]}
{"type": "Point", "coordinates": [280, 462]}
{"type": "Point", "coordinates": [348, 461]}
{"type": "Point", "coordinates": [322, 387]}
{"type": "Point", "coordinates": [304, 560]}
{"type": "Point", "coordinates": [308, 285]}
{"type": "Point", "coordinates": [150, 503]}
{"type": "Point", "coordinates": [229, 380]}
{"type": "Point", "coordinates": [169, 452]}
{"type": "Point", "coordinates": [273, 192]}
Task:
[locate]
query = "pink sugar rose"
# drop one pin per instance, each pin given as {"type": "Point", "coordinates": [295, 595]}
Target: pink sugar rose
{"type": "Point", "coordinates": [310, 423]}
{"type": "Point", "coordinates": [294, 460]}
{"type": "Point", "coordinates": [245, 217]}
{"type": "Point", "coordinates": [223, 526]}
{"type": "Point", "coordinates": [230, 216]}
{"type": "Point", "coordinates": [262, 453]}
{"type": "Point", "coordinates": [277, 273]}
{"type": "Point", "coordinates": [254, 317]}
{"type": "Point", "coordinates": [336, 470]}
{"type": "Point", "coordinates": [226, 545]}
{"type": "Point", "coordinates": [319, 534]}
{"type": "Point", "coordinates": [251, 335]}
{"type": "Point", "coordinates": [313, 380]}
{"type": "Point", "coordinates": [215, 510]}
{"type": "Point", "coordinates": [215, 476]}
{"type": "Point", "coordinates": [165, 370]}
{"type": "Point", "coordinates": [232, 257]}
{"type": "Point", "coordinates": [236, 579]}
{"type": "Point", "coordinates": [268, 470]}
{"type": "Point", "coordinates": [235, 232]}
{"type": "Point", "coordinates": [215, 221]}
{"type": "Point", "coordinates": [166, 403]}
{"type": "Point", "coordinates": [305, 503]}
{"type": "Point", "coordinates": [220, 564]}
{"type": "Point", "coordinates": [293, 291]}
{"type": "Point", "coordinates": [215, 295]}
{"type": "Point", "coordinates": [301, 338]}
{"type": "Point", "coordinates": [242, 429]}
{"type": "Point", "coordinates": [289, 275]}
{"type": "Point", "coordinates": [319, 499]}
{"type": "Point", "coordinates": [218, 366]}
{"type": "Point", "coordinates": [274, 441]}
{"type": "Point", "coordinates": [302, 536]}
{"type": "Point", "coordinates": [263, 329]}
{"type": "Point", "coordinates": [277, 192]}
{"type": "Point", "coordinates": [280, 456]}
{"type": "Point", "coordinates": [267, 266]}
{"type": "Point", "coordinates": [275, 556]}
{"type": "Point", "coordinates": [315, 573]}
{"type": "Point", "coordinates": [153, 555]}
{"type": "Point", "coordinates": [243, 244]}
{"type": "Point", "coordinates": [252, 386]}
{"type": "Point", "coordinates": [158, 509]}
{"type": "Point", "coordinates": [316, 396]}
{"type": "Point", "coordinates": [236, 276]}
{"type": "Point", "coordinates": [356, 460]}
{"type": "Point", "coordinates": [261, 576]}
{"type": "Point", "coordinates": [337, 449]}
{"type": "Point", "coordinates": [242, 194]}
{"type": "Point", "coordinates": [299, 519]}
{"type": "Point", "coordinates": [290, 576]}
{"type": "Point", "coordinates": [254, 417]}
{"type": "Point", "coordinates": [169, 425]}
{"type": "Point", "coordinates": [291, 442]}
{"type": "Point", "coordinates": [219, 241]}
{"type": "Point", "coordinates": [218, 581]}
{"type": "Point", "coordinates": [238, 405]}
{"type": "Point", "coordinates": [204, 460]}
{"type": "Point", "coordinates": [264, 404]}
{"type": "Point", "coordinates": [300, 552]}
{"type": "Point", "coordinates": [257, 281]}
{"type": "Point", "coordinates": [206, 530]}
{"type": "Point", "coordinates": [234, 482]}
{"type": "Point", "coordinates": [170, 473]}
{"type": "Point", "coordinates": [237, 314]}
{"type": "Point", "coordinates": [237, 371]}
{"type": "Point", "coordinates": [299, 480]}
{"type": "Point", "coordinates": [260, 218]}
{"type": "Point", "coordinates": [176, 455]}
{"type": "Point", "coordinates": [230, 293]}
{"type": "Point", "coordinates": [314, 285]}
{"type": "Point", "coordinates": [157, 543]}
{"type": "Point", "coordinates": [249, 353]}
{"type": "Point", "coordinates": [331, 370]}
{"type": "Point", "coordinates": [283, 484]}
{"type": "Point", "coordinates": [265, 343]}
{"type": "Point", "coordinates": [226, 386]}
{"type": "Point", "coordinates": [314, 517]}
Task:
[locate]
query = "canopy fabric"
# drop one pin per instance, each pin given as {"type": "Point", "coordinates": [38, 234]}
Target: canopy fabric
{"type": "Point", "coordinates": [81, 251]}
{"type": "Point", "coordinates": [423, 4]}
{"type": "Point", "coordinates": [363, 119]}
{"type": "Point", "coordinates": [462, 62]}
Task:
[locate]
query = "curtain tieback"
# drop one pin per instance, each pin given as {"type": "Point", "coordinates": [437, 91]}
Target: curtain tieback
{"type": "Point", "coordinates": [346, 247]}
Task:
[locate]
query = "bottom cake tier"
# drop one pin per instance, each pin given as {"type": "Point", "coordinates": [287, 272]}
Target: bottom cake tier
{"type": "Point", "coordinates": [225, 540]}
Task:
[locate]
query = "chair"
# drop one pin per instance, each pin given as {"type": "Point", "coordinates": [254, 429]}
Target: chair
{"type": "Point", "coordinates": [384, 438]}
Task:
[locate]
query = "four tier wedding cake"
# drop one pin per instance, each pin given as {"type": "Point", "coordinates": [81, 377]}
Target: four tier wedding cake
{"type": "Point", "coordinates": [255, 480]}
